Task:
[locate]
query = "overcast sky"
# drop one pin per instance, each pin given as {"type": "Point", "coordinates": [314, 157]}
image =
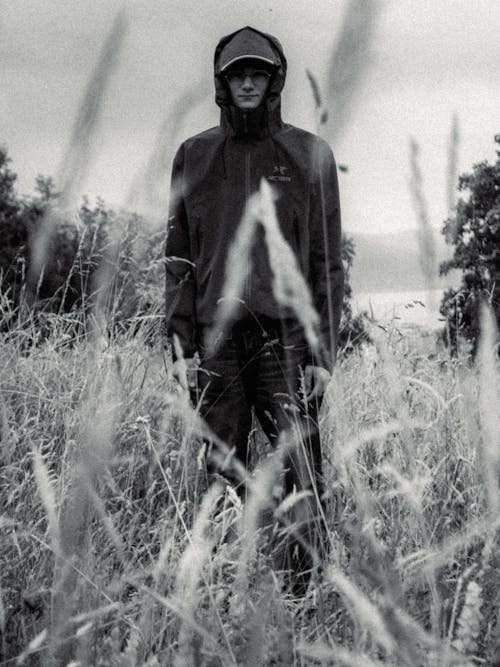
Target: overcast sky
{"type": "Point", "coordinates": [430, 59]}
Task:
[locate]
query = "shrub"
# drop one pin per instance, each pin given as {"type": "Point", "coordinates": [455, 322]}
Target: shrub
{"type": "Point", "coordinates": [474, 232]}
{"type": "Point", "coordinates": [352, 327]}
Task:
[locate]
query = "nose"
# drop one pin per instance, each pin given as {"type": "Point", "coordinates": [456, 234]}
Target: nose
{"type": "Point", "coordinates": [247, 82]}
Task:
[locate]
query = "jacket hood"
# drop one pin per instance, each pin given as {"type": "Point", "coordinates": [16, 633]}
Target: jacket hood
{"type": "Point", "coordinates": [252, 42]}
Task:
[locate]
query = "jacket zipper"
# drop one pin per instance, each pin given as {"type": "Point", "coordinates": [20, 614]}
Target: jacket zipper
{"type": "Point", "coordinates": [249, 253]}
{"type": "Point", "coordinates": [296, 232]}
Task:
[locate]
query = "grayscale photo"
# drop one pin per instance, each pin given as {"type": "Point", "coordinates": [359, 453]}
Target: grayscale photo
{"type": "Point", "coordinates": [249, 333]}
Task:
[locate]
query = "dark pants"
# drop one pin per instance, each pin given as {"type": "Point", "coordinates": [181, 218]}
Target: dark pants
{"type": "Point", "coordinates": [259, 366]}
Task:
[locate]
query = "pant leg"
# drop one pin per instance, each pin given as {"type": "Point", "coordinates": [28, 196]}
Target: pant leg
{"type": "Point", "coordinates": [223, 405]}
{"type": "Point", "coordinates": [278, 405]}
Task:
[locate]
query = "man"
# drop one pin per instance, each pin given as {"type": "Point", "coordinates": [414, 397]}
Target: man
{"type": "Point", "coordinates": [261, 358]}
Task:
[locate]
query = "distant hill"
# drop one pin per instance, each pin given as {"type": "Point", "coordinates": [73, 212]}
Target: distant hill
{"type": "Point", "coordinates": [390, 262]}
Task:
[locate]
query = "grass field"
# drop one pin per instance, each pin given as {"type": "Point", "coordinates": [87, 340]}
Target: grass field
{"type": "Point", "coordinates": [111, 549]}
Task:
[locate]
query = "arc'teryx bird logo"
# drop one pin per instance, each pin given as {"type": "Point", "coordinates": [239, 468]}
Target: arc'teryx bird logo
{"type": "Point", "coordinates": [279, 174]}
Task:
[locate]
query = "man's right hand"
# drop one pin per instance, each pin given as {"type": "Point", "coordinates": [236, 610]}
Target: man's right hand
{"type": "Point", "coordinates": [185, 372]}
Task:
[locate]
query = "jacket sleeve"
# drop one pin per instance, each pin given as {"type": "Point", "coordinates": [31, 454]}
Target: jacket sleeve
{"type": "Point", "coordinates": [180, 285]}
{"type": "Point", "coordinates": [327, 269]}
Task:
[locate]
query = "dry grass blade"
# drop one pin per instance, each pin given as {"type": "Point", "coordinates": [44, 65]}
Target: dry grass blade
{"type": "Point", "coordinates": [452, 166]}
{"type": "Point", "coordinates": [433, 559]}
{"type": "Point", "coordinates": [441, 403]}
{"type": "Point", "coordinates": [363, 609]}
{"type": "Point", "coordinates": [321, 112]}
{"type": "Point", "coordinates": [98, 418]}
{"type": "Point", "coordinates": [255, 648]}
{"type": "Point", "coordinates": [148, 192]}
{"type": "Point", "coordinates": [379, 432]}
{"type": "Point", "coordinates": [32, 647]}
{"type": "Point", "coordinates": [76, 162]}
{"type": "Point", "coordinates": [426, 241]}
{"type": "Point", "coordinates": [189, 621]}
{"type": "Point", "coordinates": [48, 497]}
{"type": "Point", "coordinates": [161, 562]}
{"type": "Point", "coordinates": [3, 615]}
{"type": "Point", "coordinates": [107, 522]}
{"type": "Point", "coordinates": [489, 400]}
{"type": "Point", "coordinates": [5, 437]}
{"type": "Point", "coordinates": [336, 655]}
{"type": "Point", "coordinates": [318, 102]}
{"type": "Point", "coordinates": [237, 268]}
{"type": "Point", "coordinates": [190, 572]}
{"type": "Point", "coordinates": [414, 490]}
{"type": "Point", "coordinates": [289, 286]}
{"type": "Point", "coordinates": [74, 167]}
{"type": "Point", "coordinates": [470, 620]}
{"type": "Point", "coordinates": [260, 498]}
{"type": "Point", "coordinates": [349, 62]}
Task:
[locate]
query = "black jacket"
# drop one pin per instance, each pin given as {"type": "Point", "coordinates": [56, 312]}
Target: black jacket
{"type": "Point", "coordinates": [214, 173]}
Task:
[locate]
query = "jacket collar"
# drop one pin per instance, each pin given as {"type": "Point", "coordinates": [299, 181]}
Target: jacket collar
{"type": "Point", "coordinates": [255, 123]}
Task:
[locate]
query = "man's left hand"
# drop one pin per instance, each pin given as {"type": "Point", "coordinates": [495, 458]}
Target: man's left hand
{"type": "Point", "coordinates": [316, 380]}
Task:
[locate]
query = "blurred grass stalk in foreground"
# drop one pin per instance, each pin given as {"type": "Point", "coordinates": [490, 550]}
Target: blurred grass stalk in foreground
{"type": "Point", "coordinates": [78, 156]}
{"type": "Point", "coordinates": [349, 63]}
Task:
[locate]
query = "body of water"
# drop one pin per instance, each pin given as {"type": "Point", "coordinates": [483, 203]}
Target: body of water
{"type": "Point", "coordinates": [418, 307]}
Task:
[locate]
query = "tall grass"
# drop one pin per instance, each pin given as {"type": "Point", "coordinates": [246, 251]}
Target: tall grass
{"type": "Point", "coordinates": [113, 487]}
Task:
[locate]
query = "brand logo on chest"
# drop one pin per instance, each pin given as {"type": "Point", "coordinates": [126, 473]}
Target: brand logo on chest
{"type": "Point", "coordinates": [279, 174]}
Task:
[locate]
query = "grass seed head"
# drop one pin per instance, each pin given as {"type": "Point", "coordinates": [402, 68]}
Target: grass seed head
{"type": "Point", "coordinates": [425, 234]}
{"type": "Point", "coordinates": [452, 166]}
{"type": "Point", "coordinates": [48, 497]}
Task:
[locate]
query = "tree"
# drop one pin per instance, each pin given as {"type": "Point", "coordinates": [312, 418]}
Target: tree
{"type": "Point", "coordinates": [474, 232]}
{"type": "Point", "coordinates": [91, 256]}
{"type": "Point", "coordinates": [73, 252]}
{"type": "Point", "coordinates": [352, 327]}
{"type": "Point", "coordinates": [14, 247]}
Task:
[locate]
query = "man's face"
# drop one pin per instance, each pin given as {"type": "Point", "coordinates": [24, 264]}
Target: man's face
{"type": "Point", "coordinates": [248, 85]}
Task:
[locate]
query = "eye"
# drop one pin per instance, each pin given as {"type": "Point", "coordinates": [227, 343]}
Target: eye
{"type": "Point", "coordinates": [260, 76]}
{"type": "Point", "coordinates": [235, 76]}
